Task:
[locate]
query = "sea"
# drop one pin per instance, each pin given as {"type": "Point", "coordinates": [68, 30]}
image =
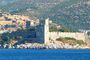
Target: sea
{"type": "Point", "coordinates": [44, 54]}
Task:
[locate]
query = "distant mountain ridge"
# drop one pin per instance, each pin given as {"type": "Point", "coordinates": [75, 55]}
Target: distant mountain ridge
{"type": "Point", "coordinates": [73, 14]}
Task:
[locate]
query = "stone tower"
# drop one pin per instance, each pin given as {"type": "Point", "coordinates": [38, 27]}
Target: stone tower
{"type": "Point", "coordinates": [46, 31]}
{"type": "Point", "coordinates": [43, 32]}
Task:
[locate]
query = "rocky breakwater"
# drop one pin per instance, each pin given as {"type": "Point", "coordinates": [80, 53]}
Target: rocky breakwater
{"type": "Point", "coordinates": [54, 45]}
{"type": "Point", "coordinates": [31, 46]}
{"type": "Point", "coordinates": [61, 45]}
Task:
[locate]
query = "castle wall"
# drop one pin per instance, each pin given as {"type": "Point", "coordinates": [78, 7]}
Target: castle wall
{"type": "Point", "coordinates": [77, 35]}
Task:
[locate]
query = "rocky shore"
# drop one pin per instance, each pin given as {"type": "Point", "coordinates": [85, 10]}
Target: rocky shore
{"type": "Point", "coordinates": [56, 45]}
{"type": "Point", "coordinates": [51, 45]}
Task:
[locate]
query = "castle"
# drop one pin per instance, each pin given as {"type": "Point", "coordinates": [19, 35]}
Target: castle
{"type": "Point", "coordinates": [44, 35]}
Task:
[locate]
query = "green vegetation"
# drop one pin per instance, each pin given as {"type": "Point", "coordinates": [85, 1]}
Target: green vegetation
{"type": "Point", "coordinates": [80, 42]}
{"type": "Point", "coordinates": [68, 38]}
{"type": "Point", "coordinates": [53, 29]}
{"type": "Point", "coordinates": [69, 13]}
{"type": "Point", "coordinates": [21, 35]}
{"type": "Point", "coordinates": [63, 29]}
{"type": "Point", "coordinates": [71, 41]}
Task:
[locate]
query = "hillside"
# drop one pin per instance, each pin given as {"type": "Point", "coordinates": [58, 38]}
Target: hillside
{"type": "Point", "coordinates": [30, 7]}
{"type": "Point", "coordinates": [73, 14]}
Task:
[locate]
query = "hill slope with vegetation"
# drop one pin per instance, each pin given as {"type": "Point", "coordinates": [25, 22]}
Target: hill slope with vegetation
{"type": "Point", "coordinates": [73, 14]}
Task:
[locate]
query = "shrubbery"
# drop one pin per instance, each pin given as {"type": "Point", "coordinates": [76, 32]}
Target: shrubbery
{"type": "Point", "coordinates": [71, 41]}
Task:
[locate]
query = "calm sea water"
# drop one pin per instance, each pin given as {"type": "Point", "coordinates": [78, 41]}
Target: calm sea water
{"type": "Point", "coordinates": [30, 54]}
